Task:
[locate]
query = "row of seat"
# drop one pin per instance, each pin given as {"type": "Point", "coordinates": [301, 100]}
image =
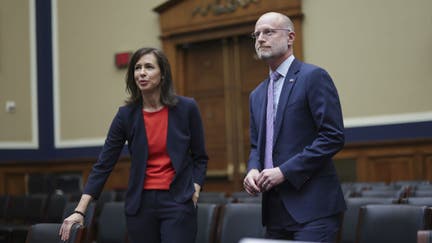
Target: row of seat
{"type": "Point", "coordinates": [230, 223]}
{"type": "Point", "coordinates": [20, 212]}
{"type": "Point", "coordinates": [227, 223]}
{"type": "Point", "coordinates": [377, 189]}
{"type": "Point", "coordinates": [396, 207]}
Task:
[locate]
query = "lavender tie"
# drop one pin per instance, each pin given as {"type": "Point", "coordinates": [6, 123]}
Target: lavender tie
{"type": "Point", "coordinates": [268, 159]}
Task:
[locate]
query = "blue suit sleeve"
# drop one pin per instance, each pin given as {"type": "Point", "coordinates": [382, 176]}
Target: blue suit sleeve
{"type": "Point", "coordinates": [325, 109]}
{"type": "Point", "coordinates": [107, 159]}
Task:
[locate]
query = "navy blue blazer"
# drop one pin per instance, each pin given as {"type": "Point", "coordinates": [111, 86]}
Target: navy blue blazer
{"type": "Point", "coordinates": [308, 132]}
{"type": "Point", "coordinates": [185, 146]}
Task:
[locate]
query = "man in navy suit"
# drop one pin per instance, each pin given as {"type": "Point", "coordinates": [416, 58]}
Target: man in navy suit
{"type": "Point", "coordinates": [298, 112]}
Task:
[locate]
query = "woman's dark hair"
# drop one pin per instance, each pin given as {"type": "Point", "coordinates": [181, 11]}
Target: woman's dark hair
{"type": "Point", "coordinates": [167, 96]}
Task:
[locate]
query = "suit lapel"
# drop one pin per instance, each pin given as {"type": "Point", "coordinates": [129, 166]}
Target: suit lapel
{"type": "Point", "coordinates": [289, 82]}
{"type": "Point", "coordinates": [139, 131]}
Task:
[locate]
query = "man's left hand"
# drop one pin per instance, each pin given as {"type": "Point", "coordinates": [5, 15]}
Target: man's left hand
{"type": "Point", "coordinates": [269, 178]}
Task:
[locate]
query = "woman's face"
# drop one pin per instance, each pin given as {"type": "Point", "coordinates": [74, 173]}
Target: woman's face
{"type": "Point", "coordinates": [147, 74]}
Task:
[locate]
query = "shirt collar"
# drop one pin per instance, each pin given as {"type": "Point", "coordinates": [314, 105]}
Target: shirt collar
{"type": "Point", "coordinates": [282, 69]}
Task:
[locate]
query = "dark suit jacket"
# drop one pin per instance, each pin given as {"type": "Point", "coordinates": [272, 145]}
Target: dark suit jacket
{"type": "Point", "coordinates": [308, 132]}
{"type": "Point", "coordinates": [185, 145]}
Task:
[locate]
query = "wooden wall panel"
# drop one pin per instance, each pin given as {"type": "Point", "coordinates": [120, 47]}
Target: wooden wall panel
{"type": "Point", "coordinates": [13, 176]}
{"type": "Point", "coordinates": [427, 168]}
{"type": "Point", "coordinates": [391, 160]}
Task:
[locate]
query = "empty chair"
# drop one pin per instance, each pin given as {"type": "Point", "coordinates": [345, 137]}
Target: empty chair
{"type": "Point", "coordinates": [240, 220]}
{"type": "Point", "coordinates": [22, 212]}
{"type": "Point", "coordinates": [112, 223]}
{"type": "Point", "coordinates": [207, 222]}
{"type": "Point", "coordinates": [350, 218]}
{"type": "Point", "coordinates": [394, 223]}
{"type": "Point", "coordinates": [48, 233]}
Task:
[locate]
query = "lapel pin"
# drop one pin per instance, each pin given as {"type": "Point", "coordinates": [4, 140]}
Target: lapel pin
{"type": "Point", "coordinates": [291, 80]}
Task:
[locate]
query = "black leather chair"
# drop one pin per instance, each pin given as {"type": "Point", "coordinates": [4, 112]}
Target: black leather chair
{"type": "Point", "coordinates": [240, 220]}
{"type": "Point", "coordinates": [48, 233]}
{"type": "Point", "coordinates": [23, 211]}
{"type": "Point", "coordinates": [112, 223]}
{"type": "Point", "coordinates": [349, 225]}
{"type": "Point", "coordinates": [396, 223]}
{"type": "Point", "coordinates": [207, 222]}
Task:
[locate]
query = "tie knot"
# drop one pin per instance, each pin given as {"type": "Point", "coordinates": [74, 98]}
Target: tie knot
{"type": "Point", "coordinates": [275, 76]}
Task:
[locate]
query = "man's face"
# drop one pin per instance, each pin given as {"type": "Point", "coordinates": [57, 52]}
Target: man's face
{"type": "Point", "coordinates": [271, 40]}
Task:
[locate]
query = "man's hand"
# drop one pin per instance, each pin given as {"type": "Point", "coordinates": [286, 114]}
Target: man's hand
{"type": "Point", "coordinates": [269, 178]}
{"type": "Point", "coordinates": [249, 182]}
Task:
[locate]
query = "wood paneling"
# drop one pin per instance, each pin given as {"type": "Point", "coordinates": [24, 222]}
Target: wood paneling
{"type": "Point", "coordinates": [391, 160]}
{"type": "Point", "coordinates": [384, 161]}
{"type": "Point", "coordinates": [13, 176]}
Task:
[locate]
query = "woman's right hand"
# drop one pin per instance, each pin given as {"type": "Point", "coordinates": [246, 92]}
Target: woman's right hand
{"type": "Point", "coordinates": [67, 225]}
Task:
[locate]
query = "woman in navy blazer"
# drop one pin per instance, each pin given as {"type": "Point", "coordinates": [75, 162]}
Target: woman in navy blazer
{"type": "Point", "coordinates": [165, 138]}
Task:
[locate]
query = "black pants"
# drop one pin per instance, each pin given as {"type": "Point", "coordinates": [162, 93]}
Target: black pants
{"type": "Point", "coordinates": [162, 220]}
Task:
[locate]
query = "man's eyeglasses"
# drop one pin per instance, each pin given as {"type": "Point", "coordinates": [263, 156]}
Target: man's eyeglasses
{"type": "Point", "coordinates": [266, 33]}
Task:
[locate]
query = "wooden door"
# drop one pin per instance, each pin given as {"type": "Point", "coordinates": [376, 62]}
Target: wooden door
{"type": "Point", "coordinates": [220, 74]}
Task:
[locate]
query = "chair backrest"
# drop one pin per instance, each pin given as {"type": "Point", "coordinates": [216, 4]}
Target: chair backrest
{"type": "Point", "coordinates": [240, 220]}
{"type": "Point", "coordinates": [350, 217]}
{"type": "Point", "coordinates": [424, 236]}
{"type": "Point", "coordinates": [48, 233]}
{"type": "Point", "coordinates": [207, 222]}
{"type": "Point", "coordinates": [396, 223]}
{"type": "Point", "coordinates": [112, 223]}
